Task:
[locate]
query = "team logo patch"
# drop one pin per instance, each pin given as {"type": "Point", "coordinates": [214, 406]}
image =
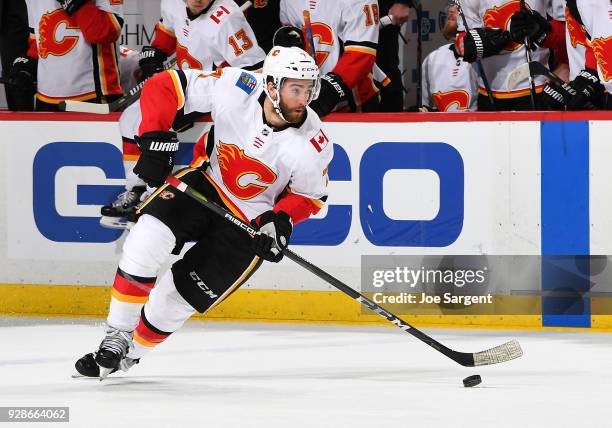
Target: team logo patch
{"type": "Point", "coordinates": [259, 4]}
{"type": "Point", "coordinates": [167, 195]}
{"type": "Point", "coordinates": [247, 82]}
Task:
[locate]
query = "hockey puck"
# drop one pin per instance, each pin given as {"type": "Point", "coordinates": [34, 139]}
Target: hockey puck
{"type": "Point", "coordinates": [473, 380]}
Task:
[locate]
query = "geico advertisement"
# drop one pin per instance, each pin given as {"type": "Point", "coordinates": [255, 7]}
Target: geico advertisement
{"type": "Point", "coordinates": [395, 188]}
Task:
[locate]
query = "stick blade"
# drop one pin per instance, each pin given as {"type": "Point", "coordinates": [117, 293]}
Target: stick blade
{"type": "Point", "coordinates": [83, 107]}
{"type": "Point", "coordinates": [517, 75]}
{"type": "Point", "coordinates": [500, 354]}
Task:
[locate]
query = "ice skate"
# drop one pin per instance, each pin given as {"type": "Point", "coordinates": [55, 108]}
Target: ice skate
{"type": "Point", "coordinates": [111, 356]}
{"type": "Point", "coordinates": [121, 213]}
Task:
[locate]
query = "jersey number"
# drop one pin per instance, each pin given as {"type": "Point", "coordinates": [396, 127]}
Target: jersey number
{"type": "Point", "coordinates": [245, 45]}
{"type": "Point", "coordinates": [371, 13]}
{"type": "Point", "coordinates": [48, 43]}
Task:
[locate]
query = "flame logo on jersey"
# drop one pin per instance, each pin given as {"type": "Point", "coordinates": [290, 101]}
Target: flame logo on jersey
{"type": "Point", "coordinates": [575, 30]}
{"type": "Point", "coordinates": [499, 17]}
{"type": "Point", "coordinates": [235, 167]}
{"type": "Point", "coordinates": [602, 47]}
{"type": "Point", "coordinates": [325, 36]}
{"type": "Point", "coordinates": [445, 100]}
{"type": "Point", "coordinates": [184, 57]}
{"type": "Point", "coordinates": [48, 43]}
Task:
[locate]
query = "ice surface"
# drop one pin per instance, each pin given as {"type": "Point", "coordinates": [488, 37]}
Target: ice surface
{"type": "Point", "coordinates": [274, 375]}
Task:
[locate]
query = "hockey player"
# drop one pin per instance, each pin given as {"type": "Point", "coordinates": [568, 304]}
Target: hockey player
{"type": "Point", "coordinates": [449, 83]}
{"type": "Point", "coordinates": [345, 36]}
{"type": "Point", "coordinates": [490, 39]}
{"type": "Point", "coordinates": [75, 43]}
{"type": "Point", "coordinates": [204, 34]}
{"type": "Point", "coordinates": [589, 25]}
{"type": "Point", "coordinates": [268, 164]}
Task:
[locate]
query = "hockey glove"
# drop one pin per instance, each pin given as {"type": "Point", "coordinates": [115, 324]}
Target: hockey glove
{"type": "Point", "coordinates": [157, 159]}
{"type": "Point", "coordinates": [288, 37]}
{"type": "Point", "coordinates": [589, 91]}
{"type": "Point", "coordinates": [529, 23]}
{"type": "Point", "coordinates": [151, 61]}
{"type": "Point", "coordinates": [552, 98]}
{"type": "Point", "coordinates": [273, 236]}
{"type": "Point", "coordinates": [71, 6]}
{"type": "Point", "coordinates": [333, 92]}
{"type": "Point", "coordinates": [483, 42]}
{"type": "Point", "coordinates": [23, 75]}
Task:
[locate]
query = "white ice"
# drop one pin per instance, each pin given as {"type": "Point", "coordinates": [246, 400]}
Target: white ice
{"type": "Point", "coordinates": [273, 375]}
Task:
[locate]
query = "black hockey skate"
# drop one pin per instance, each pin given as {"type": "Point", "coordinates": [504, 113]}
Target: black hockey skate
{"type": "Point", "coordinates": [110, 357]}
{"type": "Point", "coordinates": [86, 366]}
{"type": "Point", "coordinates": [121, 213]}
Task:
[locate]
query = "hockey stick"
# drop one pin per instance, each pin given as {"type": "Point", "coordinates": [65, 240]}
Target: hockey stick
{"type": "Point", "coordinates": [117, 105]}
{"type": "Point", "coordinates": [479, 66]}
{"type": "Point", "coordinates": [535, 68]}
{"type": "Point", "coordinates": [127, 99]}
{"type": "Point", "coordinates": [532, 88]}
{"type": "Point", "coordinates": [499, 354]}
{"type": "Point", "coordinates": [308, 37]}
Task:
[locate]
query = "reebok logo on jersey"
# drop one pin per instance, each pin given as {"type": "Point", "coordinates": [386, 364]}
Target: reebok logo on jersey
{"type": "Point", "coordinates": [247, 82]}
{"type": "Point", "coordinates": [319, 141]}
{"type": "Point", "coordinates": [158, 146]}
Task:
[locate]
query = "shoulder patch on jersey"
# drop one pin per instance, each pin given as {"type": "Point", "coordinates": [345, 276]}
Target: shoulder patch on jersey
{"type": "Point", "coordinates": [319, 141]}
{"type": "Point", "coordinates": [247, 82]}
{"type": "Point", "coordinates": [218, 14]}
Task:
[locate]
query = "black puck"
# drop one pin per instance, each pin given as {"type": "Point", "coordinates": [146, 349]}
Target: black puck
{"type": "Point", "coordinates": [473, 380]}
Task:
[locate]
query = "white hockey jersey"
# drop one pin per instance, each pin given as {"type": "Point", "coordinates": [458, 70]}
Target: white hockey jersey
{"type": "Point", "coordinates": [497, 14]}
{"type": "Point", "coordinates": [251, 164]}
{"type": "Point", "coordinates": [340, 27]}
{"type": "Point", "coordinates": [69, 66]}
{"type": "Point", "coordinates": [449, 84]}
{"type": "Point", "coordinates": [219, 37]}
{"type": "Point", "coordinates": [596, 16]}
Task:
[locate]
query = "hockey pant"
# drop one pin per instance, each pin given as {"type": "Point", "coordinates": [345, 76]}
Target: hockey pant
{"type": "Point", "coordinates": [218, 263]}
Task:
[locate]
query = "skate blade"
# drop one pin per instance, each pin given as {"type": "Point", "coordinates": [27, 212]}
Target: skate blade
{"type": "Point", "coordinates": [104, 373]}
{"type": "Point", "coordinates": [120, 223]}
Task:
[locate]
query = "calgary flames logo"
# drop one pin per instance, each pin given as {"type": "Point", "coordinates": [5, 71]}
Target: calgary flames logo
{"type": "Point", "coordinates": [48, 43]}
{"type": "Point", "coordinates": [603, 51]}
{"type": "Point", "coordinates": [445, 100]}
{"type": "Point", "coordinates": [575, 30]}
{"type": "Point", "coordinates": [185, 60]}
{"type": "Point", "coordinates": [499, 17]}
{"type": "Point", "coordinates": [239, 172]}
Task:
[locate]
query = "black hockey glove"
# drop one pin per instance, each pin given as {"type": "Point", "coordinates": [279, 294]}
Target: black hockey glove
{"type": "Point", "coordinates": [273, 237]}
{"type": "Point", "coordinates": [288, 37]}
{"type": "Point", "coordinates": [71, 6]}
{"type": "Point", "coordinates": [23, 75]}
{"type": "Point", "coordinates": [151, 61]}
{"type": "Point", "coordinates": [529, 23]}
{"type": "Point", "coordinates": [483, 42]}
{"type": "Point", "coordinates": [157, 159]}
{"type": "Point", "coordinates": [552, 98]}
{"type": "Point", "coordinates": [589, 91]}
{"type": "Point", "coordinates": [333, 92]}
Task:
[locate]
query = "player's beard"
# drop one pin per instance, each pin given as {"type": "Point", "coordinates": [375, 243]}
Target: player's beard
{"type": "Point", "coordinates": [294, 115]}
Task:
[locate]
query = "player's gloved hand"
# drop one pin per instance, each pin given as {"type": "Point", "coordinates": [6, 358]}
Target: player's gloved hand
{"type": "Point", "coordinates": [481, 43]}
{"type": "Point", "coordinates": [287, 37]}
{"type": "Point", "coordinates": [529, 23]}
{"type": "Point", "coordinates": [274, 232]}
{"type": "Point", "coordinates": [552, 98]}
{"type": "Point", "coordinates": [151, 61]}
{"type": "Point", "coordinates": [71, 6]}
{"type": "Point", "coordinates": [333, 92]}
{"type": "Point", "coordinates": [23, 75]}
{"type": "Point", "coordinates": [589, 91]}
{"type": "Point", "coordinates": [157, 158]}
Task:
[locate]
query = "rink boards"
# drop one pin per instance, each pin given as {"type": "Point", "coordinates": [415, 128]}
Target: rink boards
{"type": "Point", "coordinates": [429, 184]}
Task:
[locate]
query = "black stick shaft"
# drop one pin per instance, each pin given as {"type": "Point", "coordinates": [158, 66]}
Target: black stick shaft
{"type": "Point", "coordinates": [464, 359]}
{"type": "Point", "coordinates": [532, 88]}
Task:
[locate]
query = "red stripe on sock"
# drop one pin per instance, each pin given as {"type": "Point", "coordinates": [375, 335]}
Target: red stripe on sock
{"type": "Point", "coordinates": [132, 288]}
{"type": "Point", "coordinates": [149, 335]}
